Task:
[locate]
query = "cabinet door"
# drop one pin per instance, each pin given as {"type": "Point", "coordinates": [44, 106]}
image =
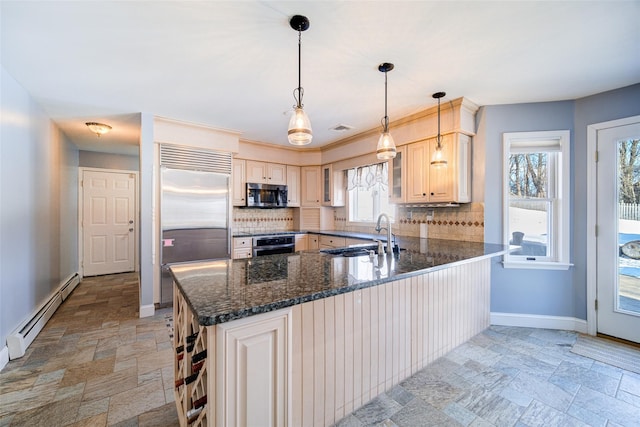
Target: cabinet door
{"type": "Point", "coordinates": [239, 187]}
{"type": "Point", "coordinates": [256, 172]}
{"type": "Point", "coordinates": [310, 184]}
{"type": "Point", "coordinates": [253, 368]}
{"type": "Point", "coordinates": [397, 177]}
{"type": "Point", "coordinates": [301, 242]}
{"type": "Point", "coordinates": [313, 241]}
{"type": "Point", "coordinates": [418, 172]}
{"type": "Point", "coordinates": [327, 183]}
{"type": "Point", "coordinates": [339, 188]}
{"type": "Point", "coordinates": [332, 186]}
{"type": "Point", "coordinates": [293, 186]}
{"type": "Point", "coordinates": [276, 174]}
{"type": "Point", "coordinates": [441, 178]}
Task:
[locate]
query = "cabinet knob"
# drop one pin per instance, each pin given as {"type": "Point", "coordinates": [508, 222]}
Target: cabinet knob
{"type": "Point", "coordinates": [424, 194]}
{"type": "Point", "coordinates": [432, 194]}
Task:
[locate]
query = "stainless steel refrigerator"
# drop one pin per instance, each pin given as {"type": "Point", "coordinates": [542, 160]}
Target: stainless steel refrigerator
{"type": "Point", "coordinates": [194, 215]}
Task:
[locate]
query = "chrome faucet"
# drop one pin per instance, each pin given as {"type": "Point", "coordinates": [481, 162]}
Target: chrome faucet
{"type": "Point", "coordinates": [388, 228]}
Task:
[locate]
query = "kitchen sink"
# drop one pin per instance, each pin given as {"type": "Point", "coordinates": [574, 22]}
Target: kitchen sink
{"type": "Point", "coordinates": [351, 251]}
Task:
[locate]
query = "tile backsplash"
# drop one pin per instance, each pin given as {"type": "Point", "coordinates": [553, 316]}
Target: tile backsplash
{"type": "Point", "coordinates": [248, 220]}
{"type": "Point", "coordinates": [465, 222]}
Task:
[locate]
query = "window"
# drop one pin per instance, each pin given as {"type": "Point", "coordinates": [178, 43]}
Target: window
{"type": "Point", "coordinates": [536, 199]}
{"type": "Point", "coordinates": [368, 193]}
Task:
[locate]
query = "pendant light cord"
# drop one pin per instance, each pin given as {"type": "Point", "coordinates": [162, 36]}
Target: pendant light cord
{"type": "Point", "coordinates": [299, 89]}
{"type": "Point", "coordinates": [439, 137]}
{"type": "Point", "coordinates": [385, 120]}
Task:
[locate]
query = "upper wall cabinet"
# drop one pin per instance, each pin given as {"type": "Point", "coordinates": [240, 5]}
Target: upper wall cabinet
{"type": "Point", "coordinates": [333, 191]}
{"type": "Point", "coordinates": [430, 184]}
{"type": "Point", "coordinates": [238, 186]}
{"type": "Point", "coordinates": [293, 186]}
{"type": "Point", "coordinates": [310, 186]}
{"type": "Point", "coordinates": [266, 173]}
{"type": "Point", "coordinates": [398, 176]}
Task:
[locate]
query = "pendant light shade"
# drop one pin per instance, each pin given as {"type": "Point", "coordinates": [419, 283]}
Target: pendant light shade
{"type": "Point", "coordinates": [299, 128]}
{"type": "Point", "coordinates": [299, 125]}
{"type": "Point", "coordinates": [386, 148]}
{"type": "Point", "coordinates": [438, 159]}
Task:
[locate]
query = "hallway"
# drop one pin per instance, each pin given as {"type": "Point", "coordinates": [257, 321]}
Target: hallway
{"type": "Point", "coordinates": [94, 364]}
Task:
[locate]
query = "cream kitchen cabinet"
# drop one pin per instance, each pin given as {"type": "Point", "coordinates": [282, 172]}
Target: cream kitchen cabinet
{"type": "Point", "coordinates": [310, 186]}
{"type": "Point", "coordinates": [418, 172]}
{"type": "Point", "coordinates": [397, 176]}
{"type": "Point", "coordinates": [333, 191]}
{"type": "Point", "coordinates": [302, 242]}
{"type": "Point", "coordinates": [452, 183]}
{"type": "Point", "coordinates": [266, 173]}
{"type": "Point", "coordinates": [313, 241]}
{"type": "Point", "coordinates": [242, 247]}
{"type": "Point", "coordinates": [254, 362]}
{"type": "Point", "coordinates": [239, 183]}
{"type": "Point", "coordinates": [332, 242]}
{"type": "Point", "coordinates": [293, 186]}
{"type": "Point", "coordinates": [430, 184]}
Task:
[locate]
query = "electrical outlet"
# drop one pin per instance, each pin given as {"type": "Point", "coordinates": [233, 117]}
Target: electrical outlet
{"type": "Point", "coordinates": [409, 215]}
{"type": "Point", "coordinates": [430, 215]}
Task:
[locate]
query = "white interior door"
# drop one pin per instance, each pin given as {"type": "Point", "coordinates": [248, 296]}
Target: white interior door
{"type": "Point", "coordinates": [618, 237]}
{"type": "Point", "coordinates": [108, 222]}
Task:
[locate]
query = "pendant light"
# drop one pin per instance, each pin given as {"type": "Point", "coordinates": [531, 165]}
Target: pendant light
{"type": "Point", "coordinates": [386, 146]}
{"type": "Point", "coordinates": [299, 125]}
{"type": "Point", "coordinates": [438, 159]}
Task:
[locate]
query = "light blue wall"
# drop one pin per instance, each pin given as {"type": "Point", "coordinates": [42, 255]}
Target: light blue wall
{"type": "Point", "coordinates": [544, 292]}
{"type": "Point", "coordinates": [93, 159]}
{"type": "Point", "coordinates": [38, 206]}
{"type": "Point", "coordinates": [603, 107]}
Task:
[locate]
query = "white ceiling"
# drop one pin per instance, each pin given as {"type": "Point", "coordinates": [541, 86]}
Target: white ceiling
{"type": "Point", "coordinates": [233, 64]}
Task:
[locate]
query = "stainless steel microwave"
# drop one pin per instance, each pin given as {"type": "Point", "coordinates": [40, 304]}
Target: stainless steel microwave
{"type": "Point", "coordinates": [266, 195]}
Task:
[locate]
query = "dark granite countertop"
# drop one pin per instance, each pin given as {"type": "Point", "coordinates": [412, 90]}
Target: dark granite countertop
{"type": "Point", "coordinates": [224, 290]}
{"type": "Point", "coordinates": [351, 234]}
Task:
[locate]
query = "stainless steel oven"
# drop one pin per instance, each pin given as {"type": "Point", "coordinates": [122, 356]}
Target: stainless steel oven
{"type": "Point", "coordinates": [269, 245]}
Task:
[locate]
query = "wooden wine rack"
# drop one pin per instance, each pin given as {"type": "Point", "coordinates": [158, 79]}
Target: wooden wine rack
{"type": "Point", "coordinates": [190, 365]}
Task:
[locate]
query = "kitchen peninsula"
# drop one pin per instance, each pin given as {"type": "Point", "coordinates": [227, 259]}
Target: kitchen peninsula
{"type": "Point", "coordinates": [308, 337]}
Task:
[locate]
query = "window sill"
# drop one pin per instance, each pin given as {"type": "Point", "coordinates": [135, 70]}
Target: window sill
{"type": "Point", "coordinates": [537, 265]}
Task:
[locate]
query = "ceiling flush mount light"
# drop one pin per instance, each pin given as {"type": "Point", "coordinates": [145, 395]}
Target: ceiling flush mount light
{"type": "Point", "coordinates": [98, 128]}
{"type": "Point", "coordinates": [299, 125]}
{"type": "Point", "coordinates": [438, 159]}
{"type": "Point", "coordinates": [386, 147]}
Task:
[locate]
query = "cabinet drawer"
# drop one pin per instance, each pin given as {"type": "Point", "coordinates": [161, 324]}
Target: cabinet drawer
{"type": "Point", "coordinates": [242, 253]}
{"type": "Point", "coordinates": [332, 241]}
{"type": "Point", "coordinates": [242, 242]}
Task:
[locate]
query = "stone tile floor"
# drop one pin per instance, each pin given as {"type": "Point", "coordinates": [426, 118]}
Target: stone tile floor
{"type": "Point", "coordinates": [96, 364]}
{"type": "Point", "coordinates": [509, 376]}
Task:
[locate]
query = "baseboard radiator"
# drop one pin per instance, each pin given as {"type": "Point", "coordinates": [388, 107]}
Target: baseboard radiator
{"type": "Point", "coordinates": [21, 339]}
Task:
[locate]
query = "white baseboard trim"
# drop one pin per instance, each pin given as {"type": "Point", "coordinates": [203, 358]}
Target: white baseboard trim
{"type": "Point", "coordinates": [147, 310]}
{"type": "Point", "coordinates": [539, 321]}
{"type": "Point", "coordinates": [4, 357]}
